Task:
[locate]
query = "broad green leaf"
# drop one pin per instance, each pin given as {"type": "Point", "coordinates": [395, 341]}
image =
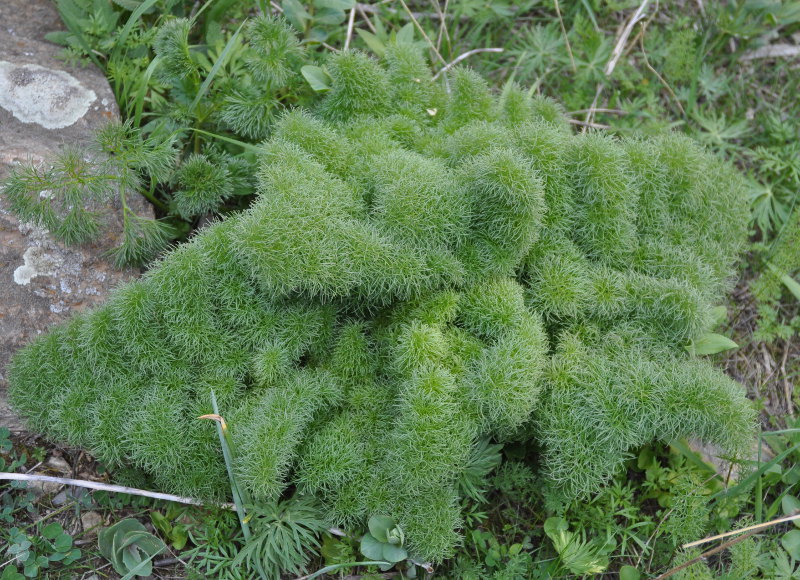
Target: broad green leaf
{"type": "Point", "coordinates": [129, 4]}
{"type": "Point", "coordinates": [791, 543]}
{"type": "Point", "coordinates": [406, 34]}
{"type": "Point", "coordinates": [179, 537]}
{"type": "Point", "coordinates": [379, 527]}
{"type": "Point", "coordinates": [58, 37]}
{"type": "Point", "coordinates": [790, 505]}
{"type": "Point", "coordinates": [17, 549]}
{"type": "Point", "coordinates": [629, 573]}
{"type": "Point", "coordinates": [295, 14]}
{"type": "Point", "coordinates": [63, 543]}
{"type": "Point", "coordinates": [133, 559]}
{"type": "Point", "coordinates": [329, 17]}
{"type": "Point", "coordinates": [317, 34]}
{"type": "Point", "coordinates": [710, 343]}
{"type": "Point", "coordinates": [773, 475]}
{"type": "Point", "coordinates": [335, 4]}
{"type": "Point", "coordinates": [160, 522]}
{"type": "Point", "coordinates": [371, 547]}
{"type": "Point", "coordinates": [718, 315]}
{"type": "Point", "coordinates": [393, 553]}
{"type": "Point", "coordinates": [373, 42]}
{"type": "Point", "coordinates": [10, 573]}
{"type": "Point", "coordinates": [792, 285]}
{"type": "Point", "coordinates": [554, 526]}
{"type": "Point", "coordinates": [788, 281]}
{"type": "Point", "coordinates": [52, 531]}
{"type": "Point", "coordinates": [316, 77]}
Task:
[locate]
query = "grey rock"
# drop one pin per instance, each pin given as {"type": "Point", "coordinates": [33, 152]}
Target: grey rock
{"type": "Point", "coordinates": [730, 472]}
{"type": "Point", "coordinates": [68, 495]}
{"type": "Point", "coordinates": [60, 498]}
{"type": "Point", "coordinates": [59, 464]}
{"type": "Point", "coordinates": [40, 488]}
{"type": "Point", "coordinates": [46, 104]}
{"type": "Point", "coordinates": [91, 522]}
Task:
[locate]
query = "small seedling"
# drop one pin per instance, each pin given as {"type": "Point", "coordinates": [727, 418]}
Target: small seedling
{"type": "Point", "coordinates": [384, 541]}
{"type": "Point", "coordinates": [130, 547]}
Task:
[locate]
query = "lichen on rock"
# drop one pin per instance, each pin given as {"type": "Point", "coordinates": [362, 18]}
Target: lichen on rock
{"type": "Point", "coordinates": [53, 99]}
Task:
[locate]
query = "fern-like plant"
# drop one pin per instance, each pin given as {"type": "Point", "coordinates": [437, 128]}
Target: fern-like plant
{"type": "Point", "coordinates": [421, 271]}
{"type": "Point", "coordinates": [64, 197]}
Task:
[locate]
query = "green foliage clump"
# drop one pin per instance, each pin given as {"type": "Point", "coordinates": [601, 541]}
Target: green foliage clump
{"type": "Point", "coordinates": [420, 271]}
{"type": "Point", "coordinates": [64, 197]}
{"type": "Point", "coordinates": [776, 288]}
{"type": "Point", "coordinates": [180, 80]}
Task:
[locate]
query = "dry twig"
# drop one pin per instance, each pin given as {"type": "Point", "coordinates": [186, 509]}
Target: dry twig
{"type": "Point", "coordinates": [566, 38]}
{"type": "Point", "coordinates": [106, 487]}
{"type": "Point", "coordinates": [350, 21]}
{"type": "Point", "coordinates": [461, 57]}
{"type": "Point", "coordinates": [623, 37]}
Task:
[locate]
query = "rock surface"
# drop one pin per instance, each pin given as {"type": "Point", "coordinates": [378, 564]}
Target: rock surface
{"type": "Point", "coordinates": [44, 105]}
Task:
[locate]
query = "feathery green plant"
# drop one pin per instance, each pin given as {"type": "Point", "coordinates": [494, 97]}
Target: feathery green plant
{"type": "Point", "coordinates": [64, 197]}
{"type": "Point", "coordinates": [420, 271]}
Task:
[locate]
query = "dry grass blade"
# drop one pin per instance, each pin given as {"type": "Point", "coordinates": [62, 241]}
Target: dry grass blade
{"type": "Point", "coordinates": [623, 37]}
{"type": "Point", "coordinates": [461, 57]}
{"type": "Point", "coordinates": [106, 487]}
{"type": "Point", "coordinates": [717, 550]}
{"type": "Point", "coordinates": [754, 528]}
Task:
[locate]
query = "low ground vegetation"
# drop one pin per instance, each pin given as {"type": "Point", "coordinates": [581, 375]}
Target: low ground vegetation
{"type": "Point", "coordinates": [410, 302]}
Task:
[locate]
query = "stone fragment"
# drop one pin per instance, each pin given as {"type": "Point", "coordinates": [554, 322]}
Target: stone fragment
{"type": "Point", "coordinates": [46, 104]}
{"type": "Point", "coordinates": [59, 464]}
{"type": "Point", "coordinates": [91, 522]}
{"type": "Point", "coordinates": [40, 488]}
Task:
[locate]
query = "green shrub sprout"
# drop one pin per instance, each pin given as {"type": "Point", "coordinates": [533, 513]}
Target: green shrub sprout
{"type": "Point", "coordinates": [420, 271]}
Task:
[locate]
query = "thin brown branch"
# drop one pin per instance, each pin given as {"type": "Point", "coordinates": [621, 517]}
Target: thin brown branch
{"type": "Point", "coordinates": [443, 32]}
{"type": "Point", "coordinates": [655, 72]}
{"type": "Point", "coordinates": [587, 124]}
{"type": "Point", "coordinates": [753, 528]}
{"type": "Point", "coordinates": [787, 385]}
{"type": "Point", "coordinates": [717, 550]}
{"type": "Point", "coordinates": [566, 38]}
{"type": "Point", "coordinates": [592, 108]}
{"type": "Point", "coordinates": [365, 18]}
{"type": "Point", "coordinates": [422, 31]}
{"type": "Point", "coordinates": [598, 110]}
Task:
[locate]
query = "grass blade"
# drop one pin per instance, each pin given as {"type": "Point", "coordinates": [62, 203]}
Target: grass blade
{"type": "Point", "coordinates": [132, 20]}
{"type": "Point", "coordinates": [247, 146]}
{"type": "Point", "coordinates": [751, 479]}
{"type": "Point", "coordinates": [68, 15]}
{"type": "Point", "coordinates": [240, 496]}
{"type": "Point", "coordinates": [214, 69]}
{"type": "Point", "coordinates": [142, 92]}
